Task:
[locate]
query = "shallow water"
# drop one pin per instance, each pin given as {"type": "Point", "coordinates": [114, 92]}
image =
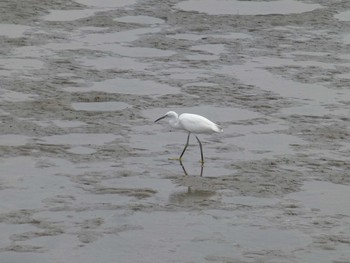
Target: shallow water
{"type": "Point", "coordinates": [86, 175]}
{"type": "Point", "coordinates": [99, 106]}
{"type": "Point", "coordinates": [247, 7]}
{"type": "Point", "coordinates": [128, 86]}
{"type": "Point", "coordinates": [68, 15]}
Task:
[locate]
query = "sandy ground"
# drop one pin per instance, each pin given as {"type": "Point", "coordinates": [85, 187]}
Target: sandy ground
{"type": "Point", "coordinates": [86, 176]}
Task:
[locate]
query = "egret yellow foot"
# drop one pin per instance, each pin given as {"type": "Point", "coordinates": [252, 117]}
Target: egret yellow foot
{"type": "Point", "coordinates": [174, 159]}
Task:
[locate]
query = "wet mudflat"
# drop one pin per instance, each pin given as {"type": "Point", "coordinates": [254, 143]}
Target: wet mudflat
{"type": "Point", "coordinates": [86, 176]}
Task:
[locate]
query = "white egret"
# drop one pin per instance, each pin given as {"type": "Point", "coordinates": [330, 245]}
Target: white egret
{"type": "Point", "coordinates": [192, 123]}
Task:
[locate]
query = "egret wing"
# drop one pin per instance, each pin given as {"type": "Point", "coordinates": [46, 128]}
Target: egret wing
{"type": "Point", "coordinates": [197, 124]}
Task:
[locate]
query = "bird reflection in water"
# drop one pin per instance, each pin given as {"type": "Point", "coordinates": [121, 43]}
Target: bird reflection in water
{"type": "Point", "coordinates": [191, 196]}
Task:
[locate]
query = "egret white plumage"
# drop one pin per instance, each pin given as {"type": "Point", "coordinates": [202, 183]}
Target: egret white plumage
{"type": "Point", "coordinates": [192, 123]}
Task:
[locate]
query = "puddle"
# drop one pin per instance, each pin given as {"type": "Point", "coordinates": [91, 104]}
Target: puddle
{"type": "Point", "coordinates": [232, 36]}
{"type": "Point", "coordinates": [196, 37]}
{"type": "Point", "coordinates": [38, 178]}
{"type": "Point", "coordinates": [68, 15]}
{"type": "Point", "coordinates": [100, 106]}
{"type": "Point", "coordinates": [344, 76]}
{"type": "Point", "coordinates": [200, 84]}
{"type": "Point", "coordinates": [145, 20]}
{"type": "Point", "coordinates": [36, 186]}
{"type": "Point", "coordinates": [328, 198]}
{"type": "Point", "coordinates": [270, 127]}
{"type": "Point", "coordinates": [236, 7]}
{"type": "Point", "coordinates": [71, 76]}
{"type": "Point", "coordinates": [346, 39]}
{"type": "Point", "coordinates": [14, 96]}
{"type": "Point", "coordinates": [284, 87]}
{"type": "Point", "coordinates": [81, 150]}
{"type": "Point", "coordinates": [340, 253]}
{"type": "Point", "coordinates": [138, 52]}
{"type": "Point", "coordinates": [118, 63]}
{"type": "Point", "coordinates": [112, 42]}
{"type": "Point", "coordinates": [128, 86]}
{"type": "Point", "coordinates": [16, 64]}
{"type": "Point", "coordinates": [31, 52]}
{"type": "Point", "coordinates": [311, 54]}
{"type": "Point", "coordinates": [250, 200]}
{"type": "Point", "coordinates": [182, 73]}
{"type": "Point", "coordinates": [107, 3]}
{"type": "Point", "coordinates": [202, 57]}
{"type": "Point", "coordinates": [193, 37]}
{"type": "Point", "coordinates": [79, 139]}
{"type": "Point", "coordinates": [215, 49]}
{"type": "Point", "coordinates": [124, 51]}
{"type": "Point", "coordinates": [32, 180]}
{"type": "Point", "coordinates": [13, 31]}
{"type": "Point", "coordinates": [314, 110]}
{"type": "Point", "coordinates": [68, 124]}
{"type": "Point", "coordinates": [60, 123]}
{"type": "Point", "coordinates": [116, 37]}
{"type": "Point", "coordinates": [267, 62]}
{"type": "Point", "coordinates": [267, 145]}
{"type": "Point", "coordinates": [4, 113]}
{"type": "Point", "coordinates": [189, 237]}
{"type": "Point", "coordinates": [10, 230]}
{"type": "Point", "coordinates": [343, 16]}
{"type": "Point", "coordinates": [50, 166]}
{"type": "Point", "coordinates": [14, 140]}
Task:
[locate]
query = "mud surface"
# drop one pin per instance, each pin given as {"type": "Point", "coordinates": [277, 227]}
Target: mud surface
{"type": "Point", "coordinates": [86, 176]}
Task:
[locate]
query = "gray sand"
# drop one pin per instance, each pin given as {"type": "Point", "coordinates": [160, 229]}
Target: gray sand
{"type": "Point", "coordinates": [86, 176]}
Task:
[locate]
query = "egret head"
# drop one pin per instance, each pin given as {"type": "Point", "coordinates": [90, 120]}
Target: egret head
{"type": "Point", "coordinates": [170, 115]}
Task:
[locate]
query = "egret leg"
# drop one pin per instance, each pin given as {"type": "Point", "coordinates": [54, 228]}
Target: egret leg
{"type": "Point", "coordinates": [183, 167]}
{"type": "Point", "coordinates": [200, 146]}
{"type": "Point", "coordinates": [188, 139]}
{"type": "Point", "coordinates": [202, 166]}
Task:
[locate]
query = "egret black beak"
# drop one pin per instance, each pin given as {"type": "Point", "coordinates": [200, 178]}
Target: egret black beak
{"type": "Point", "coordinates": [160, 118]}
